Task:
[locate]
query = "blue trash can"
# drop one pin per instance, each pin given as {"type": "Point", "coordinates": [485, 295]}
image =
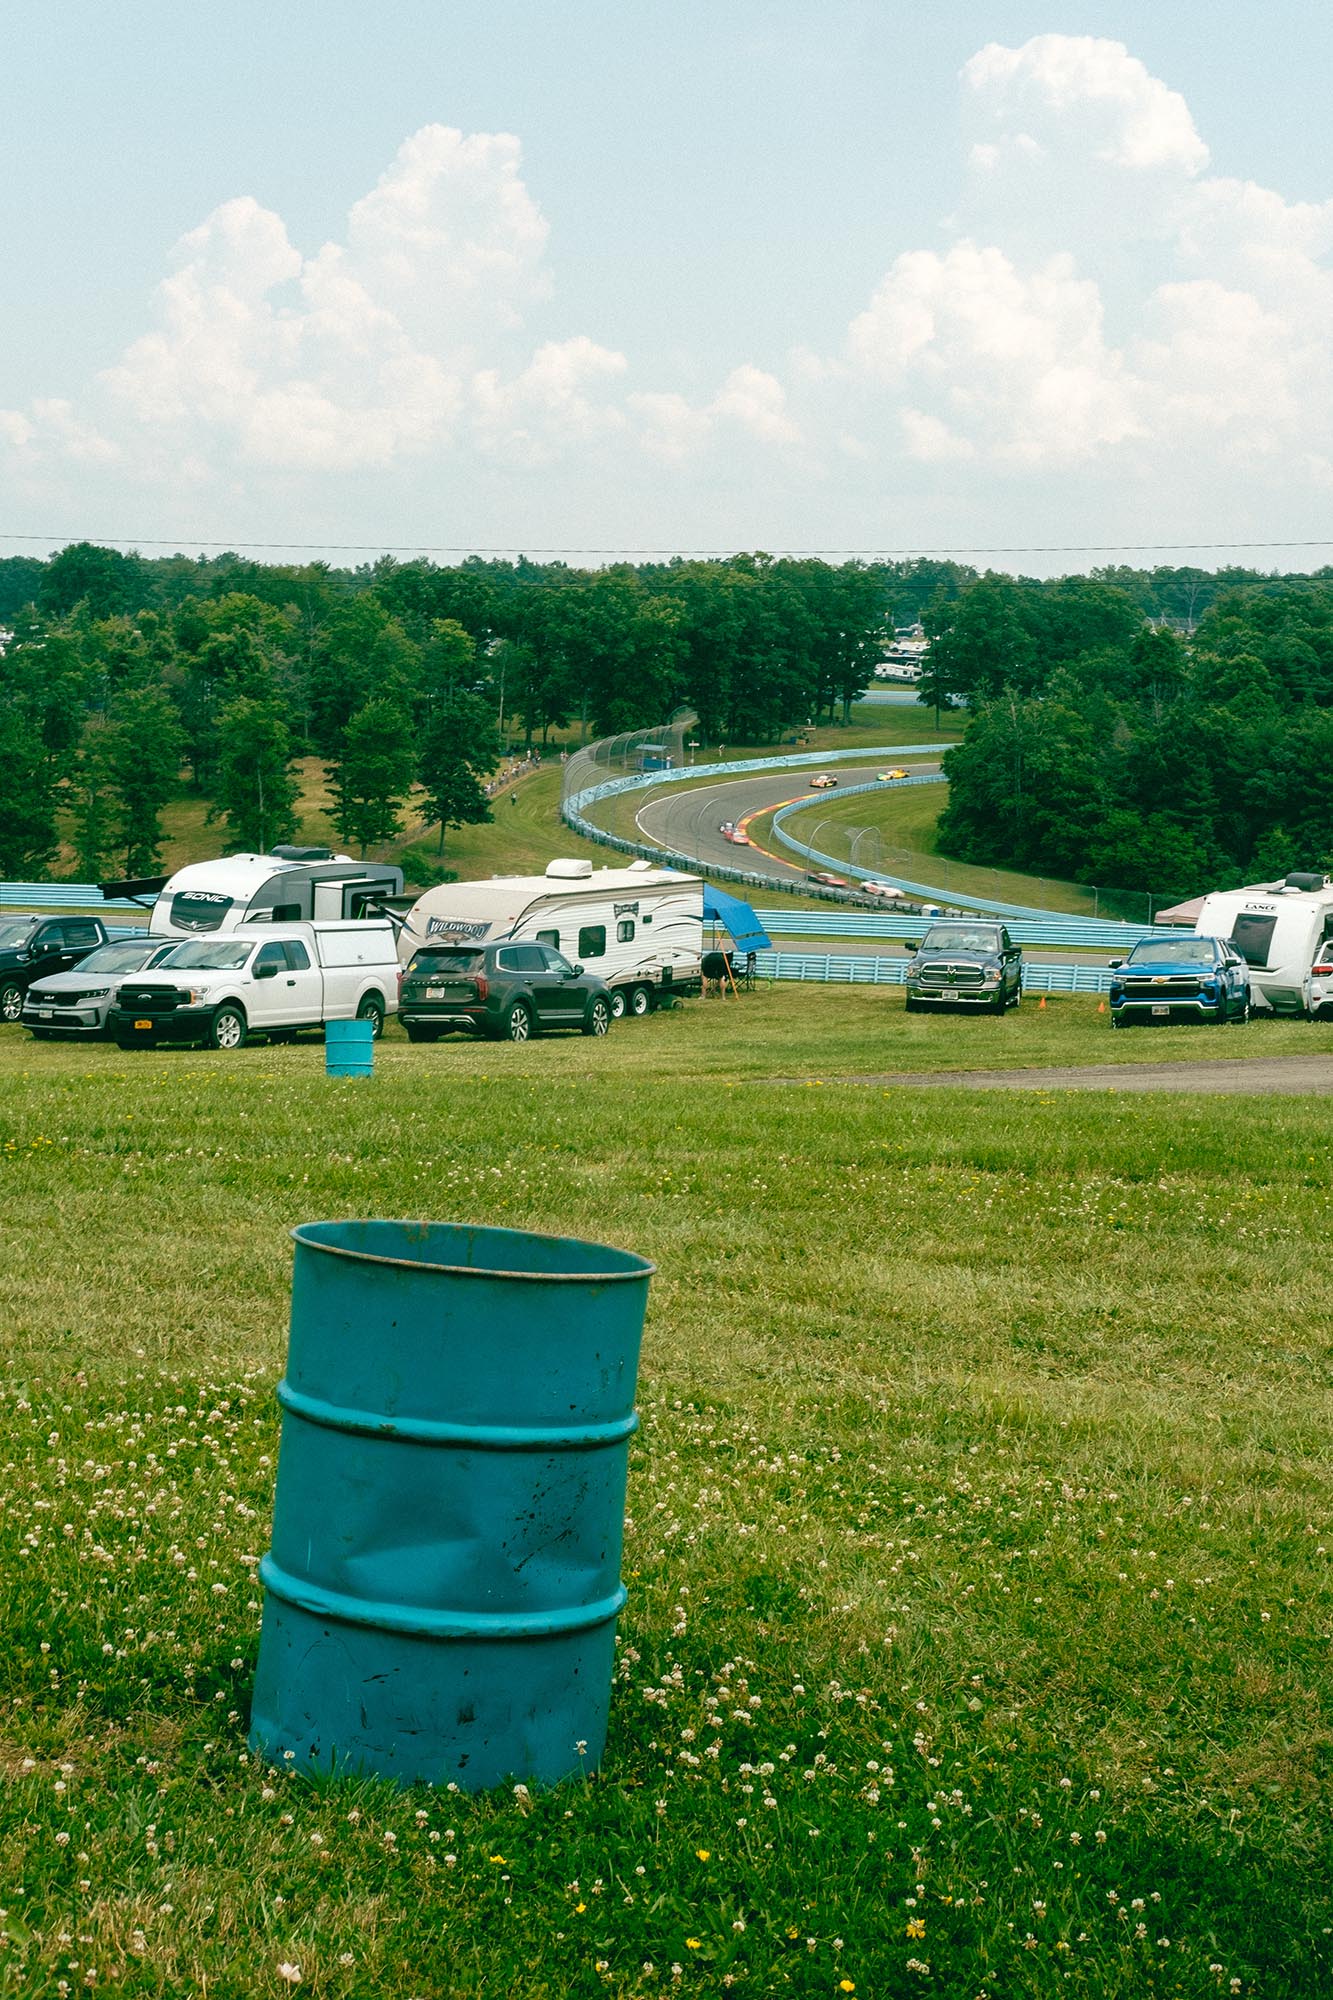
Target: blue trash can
{"type": "Point", "coordinates": [444, 1579]}
{"type": "Point", "coordinates": [349, 1048]}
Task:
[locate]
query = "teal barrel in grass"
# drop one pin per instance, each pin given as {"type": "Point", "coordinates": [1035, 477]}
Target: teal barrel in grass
{"type": "Point", "coordinates": [443, 1584]}
{"type": "Point", "coordinates": [349, 1048]}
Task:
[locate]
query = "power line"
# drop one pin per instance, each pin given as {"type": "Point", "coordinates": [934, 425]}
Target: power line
{"type": "Point", "coordinates": [640, 554]}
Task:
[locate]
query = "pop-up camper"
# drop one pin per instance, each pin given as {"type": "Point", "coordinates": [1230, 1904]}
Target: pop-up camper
{"type": "Point", "coordinates": [1278, 928]}
{"type": "Point", "coordinates": [287, 885]}
{"type": "Point", "coordinates": [639, 928]}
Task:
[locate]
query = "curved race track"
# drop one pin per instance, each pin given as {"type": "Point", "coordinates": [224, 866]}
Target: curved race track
{"type": "Point", "coordinates": [686, 821]}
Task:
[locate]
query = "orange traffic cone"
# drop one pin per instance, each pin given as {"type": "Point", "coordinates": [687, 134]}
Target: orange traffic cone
{"type": "Point", "coordinates": [1041, 1004]}
{"type": "Point", "coordinates": [1101, 1006]}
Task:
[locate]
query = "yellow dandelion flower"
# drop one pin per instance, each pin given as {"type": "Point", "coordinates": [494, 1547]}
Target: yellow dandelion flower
{"type": "Point", "coordinates": [496, 1860]}
{"type": "Point", "coordinates": [846, 1986]}
{"type": "Point", "coordinates": [916, 1927]}
{"type": "Point", "coordinates": [704, 1853]}
{"type": "Point", "coordinates": [693, 1943]}
{"type": "Point", "coordinates": [579, 1908]}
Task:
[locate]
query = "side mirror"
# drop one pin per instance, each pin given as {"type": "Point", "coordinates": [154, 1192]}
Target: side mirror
{"type": "Point", "coordinates": [266, 972]}
{"type": "Point", "coordinates": [577, 972]}
{"type": "Point", "coordinates": [1115, 964]}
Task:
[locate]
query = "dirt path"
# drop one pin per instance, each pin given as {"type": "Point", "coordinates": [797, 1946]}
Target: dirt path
{"type": "Point", "coordinates": [1265, 1076]}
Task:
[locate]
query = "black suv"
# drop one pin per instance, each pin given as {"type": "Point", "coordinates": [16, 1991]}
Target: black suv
{"type": "Point", "coordinates": [507, 991]}
{"type": "Point", "coordinates": [965, 962]}
{"type": "Point", "coordinates": [31, 947]}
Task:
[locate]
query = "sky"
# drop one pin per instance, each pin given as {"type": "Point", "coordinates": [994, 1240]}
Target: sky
{"type": "Point", "coordinates": [1041, 287]}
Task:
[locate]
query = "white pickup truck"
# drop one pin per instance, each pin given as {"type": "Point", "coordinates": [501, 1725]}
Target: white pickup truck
{"type": "Point", "coordinates": [261, 979]}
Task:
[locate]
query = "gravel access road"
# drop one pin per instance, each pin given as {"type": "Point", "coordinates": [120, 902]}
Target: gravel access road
{"type": "Point", "coordinates": [1263, 1076]}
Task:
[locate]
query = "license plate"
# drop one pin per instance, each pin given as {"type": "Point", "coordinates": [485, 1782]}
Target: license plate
{"type": "Point", "coordinates": [1165, 1012]}
{"type": "Point", "coordinates": [148, 1024]}
{"type": "Point", "coordinates": [435, 993]}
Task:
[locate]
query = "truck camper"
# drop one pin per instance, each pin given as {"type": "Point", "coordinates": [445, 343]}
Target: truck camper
{"type": "Point", "coordinates": [286, 885]}
{"type": "Point", "coordinates": [1278, 928]}
{"type": "Point", "coordinates": [640, 929]}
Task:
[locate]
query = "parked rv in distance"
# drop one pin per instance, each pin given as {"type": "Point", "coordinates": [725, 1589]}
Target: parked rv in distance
{"type": "Point", "coordinates": [638, 929]}
{"type": "Point", "coordinates": [1279, 929]}
{"type": "Point", "coordinates": [286, 885]}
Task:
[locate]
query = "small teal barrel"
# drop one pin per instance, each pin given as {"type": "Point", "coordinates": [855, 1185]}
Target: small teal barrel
{"type": "Point", "coordinates": [444, 1579]}
{"type": "Point", "coordinates": [349, 1048]}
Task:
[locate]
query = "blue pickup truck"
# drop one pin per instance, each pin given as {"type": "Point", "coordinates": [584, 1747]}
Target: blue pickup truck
{"type": "Point", "coordinates": [1180, 979]}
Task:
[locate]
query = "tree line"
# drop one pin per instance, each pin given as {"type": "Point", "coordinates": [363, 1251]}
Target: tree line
{"type": "Point", "coordinates": [1115, 743]}
{"type": "Point", "coordinates": [124, 678]}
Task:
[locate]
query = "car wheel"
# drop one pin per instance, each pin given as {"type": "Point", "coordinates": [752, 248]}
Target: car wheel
{"type": "Point", "coordinates": [372, 1010]}
{"type": "Point", "coordinates": [517, 1024]}
{"type": "Point", "coordinates": [999, 1005]}
{"type": "Point", "coordinates": [11, 1001]}
{"type": "Point", "coordinates": [1117, 1021]}
{"type": "Point", "coordinates": [417, 1033]}
{"type": "Point", "coordinates": [1242, 1019]}
{"type": "Point", "coordinates": [911, 1006]}
{"type": "Point", "coordinates": [618, 1004]}
{"type": "Point", "coordinates": [640, 1002]}
{"type": "Point", "coordinates": [227, 1029]}
{"type": "Point", "coordinates": [598, 1018]}
{"type": "Point", "coordinates": [281, 1036]}
{"type": "Point", "coordinates": [1018, 997]}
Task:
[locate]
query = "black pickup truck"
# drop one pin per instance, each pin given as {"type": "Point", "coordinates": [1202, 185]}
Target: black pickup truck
{"type": "Point", "coordinates": [31, 947]}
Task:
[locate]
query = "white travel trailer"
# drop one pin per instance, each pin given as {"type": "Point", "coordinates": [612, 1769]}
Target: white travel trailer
{"type": "Point", "coordinates": [287, 885]}
{"type": "Point", "coordinates": [1278, 929]}
{"type": "Point", "coordinates": [639, 928]}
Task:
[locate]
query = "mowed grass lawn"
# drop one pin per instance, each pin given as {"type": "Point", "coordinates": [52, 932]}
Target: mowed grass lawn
{"type": "Point", "coordinates": [978, 1541]}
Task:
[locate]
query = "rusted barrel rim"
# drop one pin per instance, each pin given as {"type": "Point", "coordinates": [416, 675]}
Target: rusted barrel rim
{"type": "Point", "coordinates": [643, 1267]}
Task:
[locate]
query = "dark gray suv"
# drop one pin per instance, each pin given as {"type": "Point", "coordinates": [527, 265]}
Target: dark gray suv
{"type": "Point", "coordinates": [507, 991]}
{"type": "Point", "coordinates": [965, 962]}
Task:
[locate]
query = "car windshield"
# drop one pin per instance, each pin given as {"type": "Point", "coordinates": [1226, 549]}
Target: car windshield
{"type": "Point", "coordinates": [125, 957]}
{"type": "Point", "coordinates": [12, 934]}
{"type": "Point", "coordinates": [960, 937]}
{"type": "Point", "coordinates": [1177, 951]}
{"type": "Point", "coordinates": [223, 955]}
{"type": "Point", "coordinates": [437, 963]}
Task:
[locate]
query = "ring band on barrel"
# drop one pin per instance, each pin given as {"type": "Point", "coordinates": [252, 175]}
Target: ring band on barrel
{"type": "Point", "coordinates": [475, 1437]}
{"type": "Point", "coordinates": [421, 1621]}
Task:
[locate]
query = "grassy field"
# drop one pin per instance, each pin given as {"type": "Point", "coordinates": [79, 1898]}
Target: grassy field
{"type": "Point", "coordinates": [978, 1541]}
{"type": "Point", "coordinates": [905, 823]}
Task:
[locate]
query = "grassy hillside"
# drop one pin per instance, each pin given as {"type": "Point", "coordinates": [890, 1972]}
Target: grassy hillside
{"type": "Point", "coordinates": [903, 841]}
{"type": "Point", "coordinates": [977, 1548]}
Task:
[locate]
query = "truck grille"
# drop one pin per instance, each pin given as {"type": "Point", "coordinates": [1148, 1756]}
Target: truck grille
{"type": "Point", "coordinates": [150, 999]}
{"type": "Point", "coordinates": [951, 976]}
{"type": "Point", "coordinates": [1168, 987]}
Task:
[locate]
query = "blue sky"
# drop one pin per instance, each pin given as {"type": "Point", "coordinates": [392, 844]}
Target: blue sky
{"type": "Point", "coordinates": [842, 277]}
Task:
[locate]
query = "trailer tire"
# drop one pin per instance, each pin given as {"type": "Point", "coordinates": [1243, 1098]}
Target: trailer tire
{"type": "Point", "coordinates": [372, 1010]}
{"type": "Point", "coordinates": [640, 1001]}
{"type": "Point", "coordinates": [619, 1004]}
{"type": "Point", "coordinates": [228, 1028]}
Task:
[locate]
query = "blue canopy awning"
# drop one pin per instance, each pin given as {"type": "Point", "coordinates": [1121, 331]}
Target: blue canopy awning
{"type": "Point", "coordinates": [737, 917]}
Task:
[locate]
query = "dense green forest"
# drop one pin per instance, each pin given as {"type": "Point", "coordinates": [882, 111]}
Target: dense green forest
{"type": "Point", "coordinates": [1112, 745]}
{"type": "Point", "coordinates": [1159, 728]}
{"type": "Point", "coordinates": [124, 677]}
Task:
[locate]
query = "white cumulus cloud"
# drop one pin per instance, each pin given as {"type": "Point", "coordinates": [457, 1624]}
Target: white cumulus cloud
{"type": "Point", "coordinates": [1105, 300]}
